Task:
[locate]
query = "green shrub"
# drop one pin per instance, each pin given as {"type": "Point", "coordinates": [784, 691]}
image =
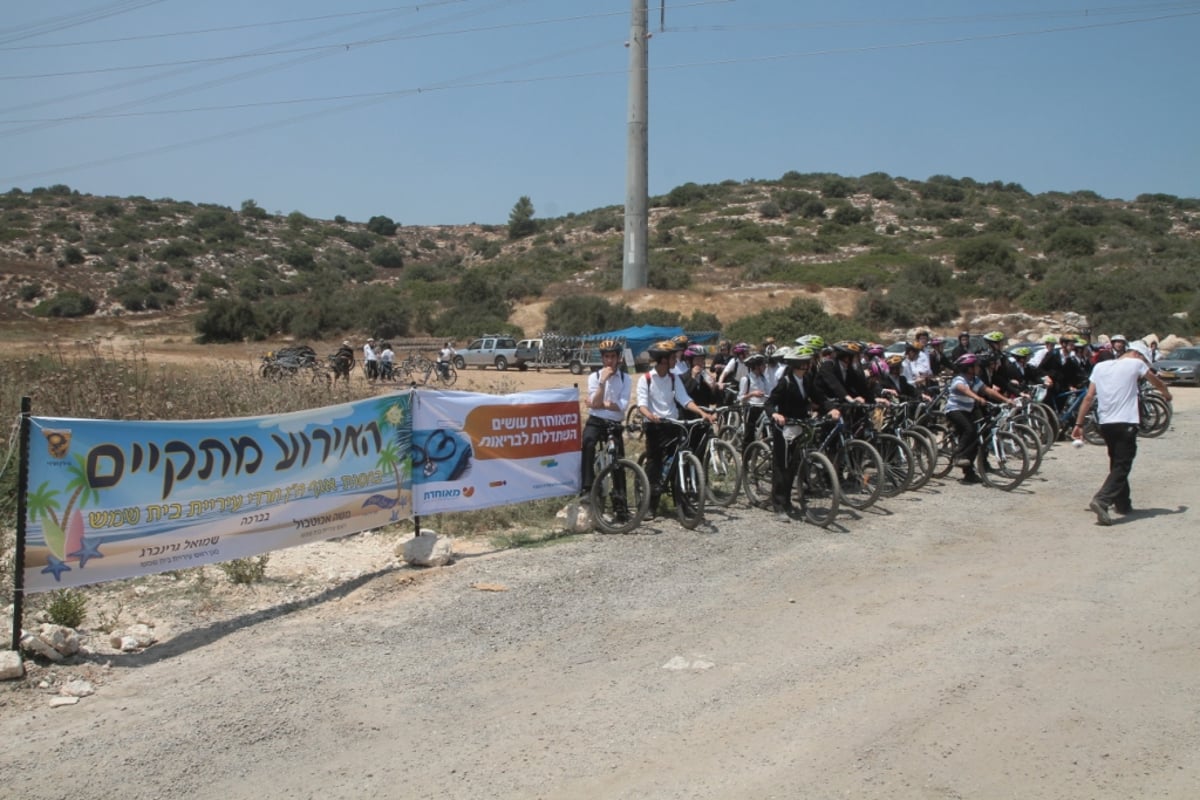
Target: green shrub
{"type": "Point", "coordinates": [384, 226]}
{"type": "Point", "coordinates": [67, 607]}
{"type": "Point", "coordinates": [387, 256]}
{"type": "Point", "coordinates": [1071, 242]}
{"type": "Point", "coordinates": [246, 570]}
{"type": "Point", "coordinates": [226, 320]}
{"type": "Point", "coordinates": [30, 291]}
{"type": "Point", "coordinates": [69, 303]}
{"type": "Point", "coordinates": [577, 314]}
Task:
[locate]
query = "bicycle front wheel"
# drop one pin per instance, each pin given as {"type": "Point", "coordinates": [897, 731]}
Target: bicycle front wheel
{"type": "Point", "coordinates": [722, 473]}
{"type": "Point", "coordinates": [816, 489]}
{"type": "Point", "coordinates": [634, 422]}
{"type": "Point", "coordinates": [1002, 461]}
{"type": "Point", "coordinates": [756, 474]}
{"type": "Point", "coordinates": [449, 376]}
{"type": "Point", "coordinates": [897, 464]}
{"type": "Point", "coordinates": [620, 497]}
{"type": "Point", "coordinates": [860, 474]}
{"type": "Point", "coordinates": [689, 490]}
{"type": "Point", "coordinates": [1155, 416]}
{"type": "Point", "coordinates": [924, 450]}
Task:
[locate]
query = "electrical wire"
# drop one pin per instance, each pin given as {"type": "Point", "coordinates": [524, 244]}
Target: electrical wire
{"type": "Point", "coordinates": [53, 25]}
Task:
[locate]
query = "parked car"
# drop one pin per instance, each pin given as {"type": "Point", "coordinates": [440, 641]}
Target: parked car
{"type": "Point", "coordinates": [489, 350]}
{"type": "Point", "coordinates": [1179, 366]}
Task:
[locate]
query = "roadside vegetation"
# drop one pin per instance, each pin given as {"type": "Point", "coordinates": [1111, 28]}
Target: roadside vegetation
{"type": "Point", "coordinates": [919, 251]}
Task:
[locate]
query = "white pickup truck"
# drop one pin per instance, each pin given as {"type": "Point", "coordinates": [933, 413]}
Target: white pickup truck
{"type": "Point", "coordinates": [489, 350]}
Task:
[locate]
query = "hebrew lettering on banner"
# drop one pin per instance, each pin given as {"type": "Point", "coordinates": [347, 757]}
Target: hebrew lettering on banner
{"type": "Point", "coordinates": [110, 499]}
{"type": "Point", "coordinates": [473, 451]}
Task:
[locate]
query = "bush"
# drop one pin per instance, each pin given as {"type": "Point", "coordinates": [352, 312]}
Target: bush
{"type": "Point", "coordinates": [30, 291]}
{"type": "Point", "coordinates": [849, 215]}
{"type": "Point", "coordinates": [246, 570]}
{"type": "Point", "coordinates": [73, 255]}
{"type": "Point", "coordinates": [228, 320]}
{"type": "Point", "coordinates": [67, 607]}
{"type": "Point", "coordinates": [384, 226]}
{"type": "Point", "coordinates": [581, 314]}
{"type": "Point", "coordinates": [359, 240]}
{"type": "Point", "coordinates": [69, 303]}
{"type": "Point", "coordinates": [801, 317]}
{"type": "Point", "coordinates": [387, 256]}
{"type": "Point", "coordinates": [1071, 242]}
{"type": "Point", "coordinates": [520, 219]}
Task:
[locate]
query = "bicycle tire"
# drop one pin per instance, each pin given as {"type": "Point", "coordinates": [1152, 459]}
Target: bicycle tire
{"type": "Point", "coordinates": [1011, 461]}
{"type": "Point", "coordinates": [1091, 430]}
{"type": "Point", "coordinates": [1038, 417]}
{"type": "Point", "coordinates": [924, 457]}
{"type": "Point", "coordinates": [897, 464]}
{"type": "Point", "coordinates": [1032, 443]}
{"type": "Point", "coordinates": [688, 490]}
{"type": "Point", "coordinates": [722, 473]}
{"type": "Point", "coordinates": [860, 474]}
{"type": "Point", "coordinates": [1153, 425]}
{"type": "Point", "coordinates": [620, 497]}
{"type": "Point", "coordinates": [633, 423]}
{"type": "Point", "coordinates": [816, 490]}
{"type": "Point", "coordinates": [450, 377]}
{"type": "Point", "coordinates": [756, 475]}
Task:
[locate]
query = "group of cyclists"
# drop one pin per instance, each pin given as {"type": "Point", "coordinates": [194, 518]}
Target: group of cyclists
{"type": "Point", "coordinates": [779, 390]}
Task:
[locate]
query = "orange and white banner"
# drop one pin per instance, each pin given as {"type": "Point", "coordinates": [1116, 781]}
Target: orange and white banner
{"type": "Point", "coordinates": [472, 451]}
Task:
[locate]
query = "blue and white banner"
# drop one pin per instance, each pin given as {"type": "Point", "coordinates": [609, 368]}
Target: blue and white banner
{"type": "Point", "coordinates": [115, 499]}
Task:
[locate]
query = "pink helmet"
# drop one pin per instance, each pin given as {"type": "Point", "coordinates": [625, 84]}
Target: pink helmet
{"type": "Point", "coordinates": [966, 360]}
{"type": "Point", "coordinates": [875, 350]}
{"type": "Point", "coordinates": [741, 348]}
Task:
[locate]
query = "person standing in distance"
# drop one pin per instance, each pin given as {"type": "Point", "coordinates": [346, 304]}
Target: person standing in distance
{"type": "Point", "coordinates": [1114, 390]}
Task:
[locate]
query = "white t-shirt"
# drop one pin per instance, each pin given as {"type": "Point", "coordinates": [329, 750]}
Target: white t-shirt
{"type": "Point", "coordinates": [1116, 385]}
{"type": "Point", "coordinates": [754, 382]}
{"type": "Point", "coordinates": [616, 390]}
{"type": "Point", "coordinates": [661, 393]}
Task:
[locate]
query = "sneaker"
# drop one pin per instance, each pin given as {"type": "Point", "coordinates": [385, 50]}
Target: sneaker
{"type": "Point", "coordinates": [1101, 512]}
{"type": "Point", "coordinates": [962, 462]}
{"type": "Point", "coordinates": [783, 516]}
{"type": "Point", "coordinates": [1123, 510]}
{"type": "Point", "coordinates": [969, 479]}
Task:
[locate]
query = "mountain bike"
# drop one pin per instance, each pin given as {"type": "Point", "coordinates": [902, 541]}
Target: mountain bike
{"type": "Point", "coordinates": [620, 493]}
{"type": "Point", "coordinates": [683, 474]}
{"type": "Point", "coordinates": [859, 465]}
{"type": "Point", "coordinates": [815, 490]}
{"type": "Point", "coordinates": [722, 468]}
{"type": "Point", "coordinates": [1001, 458]}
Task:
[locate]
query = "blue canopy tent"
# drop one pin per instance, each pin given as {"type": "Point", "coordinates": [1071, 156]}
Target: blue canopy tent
{"type": "Point", "coordinates": [639, 338]}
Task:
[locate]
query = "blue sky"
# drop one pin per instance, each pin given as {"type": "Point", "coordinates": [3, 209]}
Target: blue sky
{"type": "Point", "coordinates": [448, 112]}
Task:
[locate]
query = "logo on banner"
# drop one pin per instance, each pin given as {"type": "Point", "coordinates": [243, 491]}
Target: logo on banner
{"type": "Point", "coordinates": [58, 441]}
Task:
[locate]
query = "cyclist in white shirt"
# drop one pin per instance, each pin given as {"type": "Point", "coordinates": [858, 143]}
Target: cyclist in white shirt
{"type": "Point", "coordinates": [607, 401]}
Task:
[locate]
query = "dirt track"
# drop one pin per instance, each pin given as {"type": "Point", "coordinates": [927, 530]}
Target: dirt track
{"type": "Point", "coordinates": [957, 642]}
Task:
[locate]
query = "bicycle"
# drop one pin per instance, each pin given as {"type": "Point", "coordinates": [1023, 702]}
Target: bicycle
{"type": "Point", "coordinates": [617, 482]}
{"type": "Point", "coordinates": [443, 371]}
{"type": "Point", "coordinates": [815, 490]}
{"type": "Point", "coordinates": [722, 469]}
{"type": "Point", "coordinates": [1001, 458]}
{"type": "Point", "coordinates": [684, 474]}
{"type": "Point", "coordinates": [859, 465]}
{"type": "Point", "coordinates": [896, 456]}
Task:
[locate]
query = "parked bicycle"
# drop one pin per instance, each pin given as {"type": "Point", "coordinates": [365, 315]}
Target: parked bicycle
{"type": "Point", "coordinates": [620, 493]}
{"type": "Point", "coordinates": [683, 473]}
{"type": "Point", "coordinates": [859, 465]}
{"type": "Point", "coordinates": [1001, 458]}
{"type": "Point", "coordinates": [815, 491]}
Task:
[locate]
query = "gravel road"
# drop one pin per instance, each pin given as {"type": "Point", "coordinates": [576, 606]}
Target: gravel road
{"type": "Point", "coordinates": [958, 642]}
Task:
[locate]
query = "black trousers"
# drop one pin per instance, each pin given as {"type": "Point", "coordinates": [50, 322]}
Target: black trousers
{"type": "Point", "coordinates": [968, 444]}
{"type": "Point", "coordinates": [1121, 439]}
{"type": "Point", "coordinates": [658, 436]}
{"type": "Point", "coordinates": [593, 434]}
{"type": "Point", "coordinates": [783, 474]}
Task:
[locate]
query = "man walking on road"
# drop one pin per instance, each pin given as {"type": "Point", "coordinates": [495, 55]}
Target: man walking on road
{"type": "Point", "coordinates": [1114, 388]}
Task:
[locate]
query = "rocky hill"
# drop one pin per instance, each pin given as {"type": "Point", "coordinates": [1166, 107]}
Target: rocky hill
{"type": "Point", "coordinates": [890, 252]}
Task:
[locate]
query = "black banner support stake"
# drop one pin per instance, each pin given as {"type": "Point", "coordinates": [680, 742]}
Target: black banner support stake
{"type": "Point", "coordinates": [19, 560]}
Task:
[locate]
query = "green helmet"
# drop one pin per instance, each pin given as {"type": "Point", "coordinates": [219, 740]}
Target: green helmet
{"type": "Point", "coordinates": [1023, 352]}
{"type": "Point", "coordinates": [994, 336]}
{"type": "Point", "coordinates": [798, 354]}
{"type": "Point", "coordinates": [811, 340]}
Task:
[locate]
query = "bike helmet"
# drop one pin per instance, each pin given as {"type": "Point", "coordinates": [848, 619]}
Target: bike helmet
{"type": "Point", "coordinates": [741, 349]}
{"type": "Point", "coordinates": [895, 360]}
{"type": "Point", "coordinates": [1067, 338]}
{"type": "Point", "coordinates": [995, 337]}
{"type": "Point", "coordinates": [878, 369]}
{"type": "Point", "coordinates": [755, 360]}
{"type": "Point", "coordinates": [799, 354]}
{"type": "Point", "coordinates": [1049, 338]}
{"type": "Point", "coordinates": [966, 360]}
{"type": "Point", "coordinates": [912, 347]}
{"type": "Point", "coordinates": [769, 340]}
{"type": "Point", "coordinates": [609, 346]}
{"type": "Point", "coordinates": [1118, 337]}
{"type": "Point", "coordinates": [964, 335]}
{"type": "Point", "coordinates": [875, 350]}
{"type": "Point", "coordinates": [663, 348]}
{"type": "Point", "coordinates": [1022, 352]}
{"type": "Point", "coordinates": [811, 340]}
{"type": "Point", "coordinates": [693, 351]}
{"type": "Point", "coordinates": [847, 348]}
{"type": "Point", "coordinates": [680, 341]}
{"type": "Point", "coordinates": [937, 341]}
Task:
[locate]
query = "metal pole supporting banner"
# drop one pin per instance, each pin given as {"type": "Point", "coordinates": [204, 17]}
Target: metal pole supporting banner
{"type": "Point", "coordinates": [22, 483]}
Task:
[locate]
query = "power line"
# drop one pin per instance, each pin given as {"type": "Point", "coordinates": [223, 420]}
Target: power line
{"type": "Point", "coordinates": [373, 98]}
{"type": "Point", "coordinates": [64, 22]}
{"type": "Point", "coordinates": [229, 28]}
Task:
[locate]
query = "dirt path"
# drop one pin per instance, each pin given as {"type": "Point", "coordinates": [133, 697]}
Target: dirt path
{"type": "Point", "coordinates": [954, 643]}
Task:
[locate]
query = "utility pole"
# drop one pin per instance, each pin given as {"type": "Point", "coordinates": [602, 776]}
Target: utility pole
{"type": "Point", "coordinates": [637, 218]}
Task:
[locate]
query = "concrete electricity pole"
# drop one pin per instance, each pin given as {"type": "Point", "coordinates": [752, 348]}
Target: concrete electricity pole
{"type": "Point", "coordinates": [637, 224]}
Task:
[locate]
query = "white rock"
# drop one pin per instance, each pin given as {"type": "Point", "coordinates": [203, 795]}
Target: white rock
{"type": "Point", "coordinates": [576, 517]}
{"type": "Point", "coordinates": [32, 643]}
{"type": "Point", "coordinates": [63, 639]}
{"type": "Point", "coordinates": [77, 688]}
{"type": "Point", "coordinates": [141, 633]}
{"type": "Point", "coordinates": [427, 550]}
{"type": "Point", "coordinates": [58, 702]}
{"type": "Point", "coordinates": [127, 644]}
{"type": "Point", "coordinates": [11, 665]}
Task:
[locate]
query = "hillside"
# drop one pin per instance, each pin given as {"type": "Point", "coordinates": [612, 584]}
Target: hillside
{"type": "Point", "coordinates": [886, 253]}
